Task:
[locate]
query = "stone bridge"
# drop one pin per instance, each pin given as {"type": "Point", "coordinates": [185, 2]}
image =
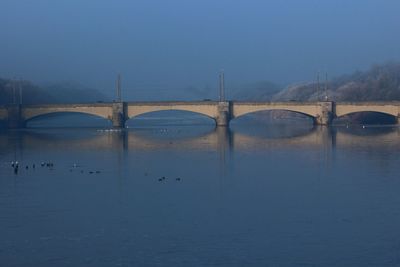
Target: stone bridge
{"type": "Point", "coordinates": [322, 113]}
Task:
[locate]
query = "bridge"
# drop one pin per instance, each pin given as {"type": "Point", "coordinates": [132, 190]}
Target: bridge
{"type": "Point", "coordinates": [322, 113]}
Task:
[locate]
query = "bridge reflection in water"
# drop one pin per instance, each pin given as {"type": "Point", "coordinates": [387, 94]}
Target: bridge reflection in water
{"type": "Point", "coordinates": [224, 146]}
{"type": "Point", "coordinates": [215, 139]}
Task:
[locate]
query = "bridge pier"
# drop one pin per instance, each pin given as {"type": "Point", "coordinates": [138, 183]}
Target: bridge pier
{"type": "Point", "coordinates": [224, 114]}
{"type": "Point", "coordinates": [119, 114]}
{"type": "Point", "coordinates": [14, 118]}
{"type": "Point", "coordinates": [326, 114]}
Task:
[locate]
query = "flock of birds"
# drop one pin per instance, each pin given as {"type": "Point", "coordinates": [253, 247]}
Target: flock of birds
{"type": "Point", "coordinates": [15, 165]}
{"type": "Point", "coordinates": [164, 179]}
{"type": "Point", "coordinates": [75, 166]}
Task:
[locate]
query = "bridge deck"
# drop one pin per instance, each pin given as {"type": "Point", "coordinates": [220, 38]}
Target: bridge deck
{"type": "Point", "coordinates": [221, 112]}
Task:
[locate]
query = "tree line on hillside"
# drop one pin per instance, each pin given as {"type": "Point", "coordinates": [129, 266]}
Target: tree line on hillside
{"type": "Point", "coordinates": [11, 91]}
{"type": "Point", "coordinates": [379, 83]}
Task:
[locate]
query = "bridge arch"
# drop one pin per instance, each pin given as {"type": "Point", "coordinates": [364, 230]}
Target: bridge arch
{"type": "Point", "coordinates": [352, 112]}
{"type": "Point", "coordinates": [167, 113]}
{"type": "Point", "coordinates": [285, 110]}
{"type": "Point", "coordinates": [366, 111]}
{"type": "Point", "coordinates": [368, 117]}
{"type": "Point", "coordinates": [241, 109]}
{"type": "Point", "coordinates": [51, 114]}
{"type": "Point", "coordinates": [391, 108]}
{"type": "Point", "coordinates": [209, 110]}
{"type": "Point", "coordinates": [30, 112]}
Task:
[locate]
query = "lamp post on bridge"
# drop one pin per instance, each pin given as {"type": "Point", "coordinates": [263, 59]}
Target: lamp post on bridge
{"type": "Point", "coordinates": [118, 88]}
{"type": "Point", "coordinates": [326, 86]}
{"type": "Point", "coordinates": [224, 110]}
{"type": "Point", "coordinates": [221, 86]}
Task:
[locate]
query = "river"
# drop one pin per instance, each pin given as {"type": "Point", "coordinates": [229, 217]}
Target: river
{"type": "Point", "coordinates": [165, 193]}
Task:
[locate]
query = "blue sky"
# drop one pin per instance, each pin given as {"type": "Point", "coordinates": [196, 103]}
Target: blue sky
{"type": "Point", "coordinates": [161, 47]}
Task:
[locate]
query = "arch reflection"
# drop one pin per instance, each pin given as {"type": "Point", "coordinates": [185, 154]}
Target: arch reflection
{"type": "Point", "coordinates": [211, 139]}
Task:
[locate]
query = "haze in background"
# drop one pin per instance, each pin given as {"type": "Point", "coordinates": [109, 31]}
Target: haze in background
{"type": "Point", "coordinates": [174, 49]}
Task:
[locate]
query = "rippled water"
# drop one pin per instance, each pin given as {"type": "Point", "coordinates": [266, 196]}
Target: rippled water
{"type": "Point", "coordinates": [255, 195]}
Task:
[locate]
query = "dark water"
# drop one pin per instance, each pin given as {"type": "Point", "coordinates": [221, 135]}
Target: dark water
{"type": "Point", "coordinates": [256, 195]}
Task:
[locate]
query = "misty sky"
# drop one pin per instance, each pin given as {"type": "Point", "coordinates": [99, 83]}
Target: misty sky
{"type": "Point", "coordinates": [167, 45]}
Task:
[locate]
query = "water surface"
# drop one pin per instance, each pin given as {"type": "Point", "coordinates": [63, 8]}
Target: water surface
{"type": "Point", "coordinates": [255, 195]}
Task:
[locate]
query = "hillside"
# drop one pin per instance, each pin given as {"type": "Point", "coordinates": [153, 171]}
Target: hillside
{"type": "Point", "coordinates": [381, 82]}
{"type": "Point", "coordinates": [52, 93]}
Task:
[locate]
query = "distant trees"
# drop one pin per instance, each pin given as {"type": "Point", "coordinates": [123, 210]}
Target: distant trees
{"type": "Point", "coordinates": [381, 82]}
{"type": "Point", "coordinates": [55, 93]}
